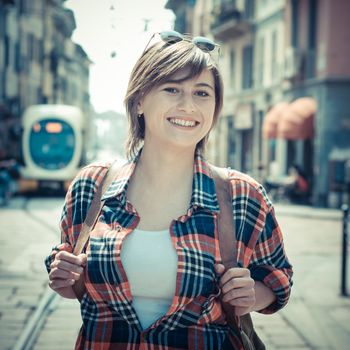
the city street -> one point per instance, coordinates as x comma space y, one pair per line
317, 317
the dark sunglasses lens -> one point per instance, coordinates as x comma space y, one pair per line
171, 37
204, 44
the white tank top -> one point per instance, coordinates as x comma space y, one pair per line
150, 262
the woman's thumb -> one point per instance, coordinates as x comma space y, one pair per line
83, 259
219, 269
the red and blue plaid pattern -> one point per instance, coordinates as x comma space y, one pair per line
195, 319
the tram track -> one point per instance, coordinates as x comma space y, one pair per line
34, 326
48, 300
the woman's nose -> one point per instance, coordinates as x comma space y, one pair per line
186, 104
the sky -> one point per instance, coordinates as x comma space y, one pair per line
113, 34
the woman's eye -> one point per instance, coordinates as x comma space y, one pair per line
171, 90
202, 93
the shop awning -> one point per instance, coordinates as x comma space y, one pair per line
297, 121
272, 119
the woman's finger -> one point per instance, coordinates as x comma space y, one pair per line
60, 283
234, 283
71, 258
242, 302
233, 273
62, 274
238, 293
67, 266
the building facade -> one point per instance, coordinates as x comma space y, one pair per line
286, 86
39, 63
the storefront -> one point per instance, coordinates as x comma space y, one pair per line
288, 129
243, 124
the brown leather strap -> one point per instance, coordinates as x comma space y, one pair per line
227, 234
90, 221
95, 208
243, 325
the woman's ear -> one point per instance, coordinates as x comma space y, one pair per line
139, 108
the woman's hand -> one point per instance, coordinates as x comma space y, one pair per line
237, 288
65, 270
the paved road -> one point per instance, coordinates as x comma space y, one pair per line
24, 240
317, 313
316, 317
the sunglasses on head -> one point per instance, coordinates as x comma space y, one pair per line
172, 37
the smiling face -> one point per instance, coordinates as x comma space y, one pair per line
180, 111
181, 64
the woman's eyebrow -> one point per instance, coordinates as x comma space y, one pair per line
178, 81
205, 85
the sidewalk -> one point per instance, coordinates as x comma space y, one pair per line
316, 311
22, 281
306, 211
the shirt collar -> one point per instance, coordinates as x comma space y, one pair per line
203, 186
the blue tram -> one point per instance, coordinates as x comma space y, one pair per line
52, 144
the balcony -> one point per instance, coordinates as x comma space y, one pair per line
64, 20
230, 21
293, 62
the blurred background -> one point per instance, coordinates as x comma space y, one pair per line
64, 68
286, 72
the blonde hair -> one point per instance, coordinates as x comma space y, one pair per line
154, 67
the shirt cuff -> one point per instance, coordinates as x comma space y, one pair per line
278, 280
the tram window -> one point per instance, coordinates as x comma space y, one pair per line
52, 144
54, 128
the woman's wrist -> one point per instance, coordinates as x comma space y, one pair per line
264, 296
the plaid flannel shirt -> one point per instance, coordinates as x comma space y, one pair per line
195, 319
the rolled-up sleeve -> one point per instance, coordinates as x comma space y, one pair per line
77, 202
270, 265
260, 239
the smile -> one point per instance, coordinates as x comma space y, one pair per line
182, 122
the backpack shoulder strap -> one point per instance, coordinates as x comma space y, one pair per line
95, 208
226, 229
243, 325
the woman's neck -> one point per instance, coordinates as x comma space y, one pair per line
166, 168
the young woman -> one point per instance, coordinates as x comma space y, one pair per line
152, 266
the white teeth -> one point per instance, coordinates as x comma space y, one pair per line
182, 122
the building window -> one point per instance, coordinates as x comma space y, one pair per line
231, 144
7, 50
74, 92
232, 69
312, 37
25, 6
35, 49
249, 9
272, 150
312, 23
247, 151
40, 50
294, 31
260, 125
247, 67
260, 61
86, 98
30, 47
274, 68
18, 58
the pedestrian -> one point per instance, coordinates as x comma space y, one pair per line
152, 267
296, 185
